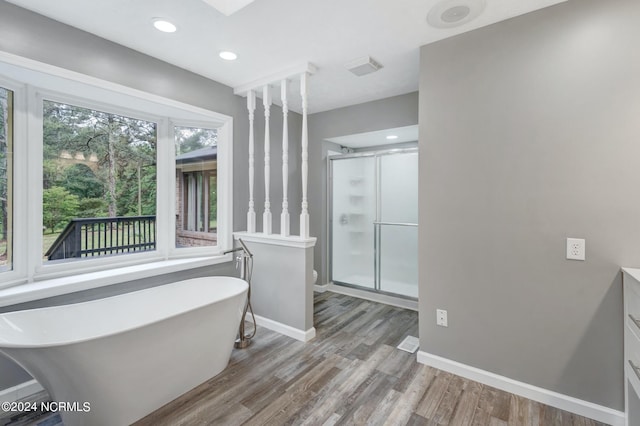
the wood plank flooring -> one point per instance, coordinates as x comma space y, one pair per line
350, 374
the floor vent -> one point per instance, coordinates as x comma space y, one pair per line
409, 344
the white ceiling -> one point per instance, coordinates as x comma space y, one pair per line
273, 35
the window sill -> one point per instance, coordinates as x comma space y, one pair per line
58, 286
210, 236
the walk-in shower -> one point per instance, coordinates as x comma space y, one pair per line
374, 221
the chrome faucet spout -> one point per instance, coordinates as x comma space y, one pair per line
233, 250
243, 248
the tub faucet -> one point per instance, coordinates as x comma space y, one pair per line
245, 262
243, 247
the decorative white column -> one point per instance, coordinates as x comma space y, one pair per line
251, 214
284, 217
304, 215
266, 217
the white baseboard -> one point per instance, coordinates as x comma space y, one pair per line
20, 391
564, 402
301, 335
321, 288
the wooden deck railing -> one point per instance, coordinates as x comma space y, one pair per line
104, 236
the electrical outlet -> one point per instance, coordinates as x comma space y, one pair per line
575, 248
441, 317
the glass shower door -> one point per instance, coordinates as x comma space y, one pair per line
397, 227
353, 213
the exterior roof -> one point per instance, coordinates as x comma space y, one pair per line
206, 153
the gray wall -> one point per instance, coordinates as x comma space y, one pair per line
529, 135
33, 36
282, 288
397, 111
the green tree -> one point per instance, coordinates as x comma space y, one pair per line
80, 180
92, 207
58, 206
125, 149
189, 139
136, 193
52, 173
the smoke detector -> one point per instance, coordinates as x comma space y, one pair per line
363, 66
453, 13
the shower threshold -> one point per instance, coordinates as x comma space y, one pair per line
390, 287
373, 295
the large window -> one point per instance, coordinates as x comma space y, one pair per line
99, 183
6, 179
91, 182
196, 186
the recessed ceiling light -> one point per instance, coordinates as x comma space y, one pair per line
453, 13
391, 137
228, 56
164, 25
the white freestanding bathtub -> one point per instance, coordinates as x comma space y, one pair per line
130, 354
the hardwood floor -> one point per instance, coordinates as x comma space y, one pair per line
350, 374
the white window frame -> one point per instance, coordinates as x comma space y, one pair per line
37, 98
223, 169
19, 224
33, 82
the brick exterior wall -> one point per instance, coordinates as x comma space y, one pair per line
189, 238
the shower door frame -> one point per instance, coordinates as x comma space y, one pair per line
377, 224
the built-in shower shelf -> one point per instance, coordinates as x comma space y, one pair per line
365, 191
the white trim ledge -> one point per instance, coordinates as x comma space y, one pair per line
634, 272
295, 71
276, 239
20, 391
294, 333
70, 284
564, 402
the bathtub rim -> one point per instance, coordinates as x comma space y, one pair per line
60, 343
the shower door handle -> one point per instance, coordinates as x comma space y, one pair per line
377, 254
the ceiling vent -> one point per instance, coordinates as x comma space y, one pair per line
363, 66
